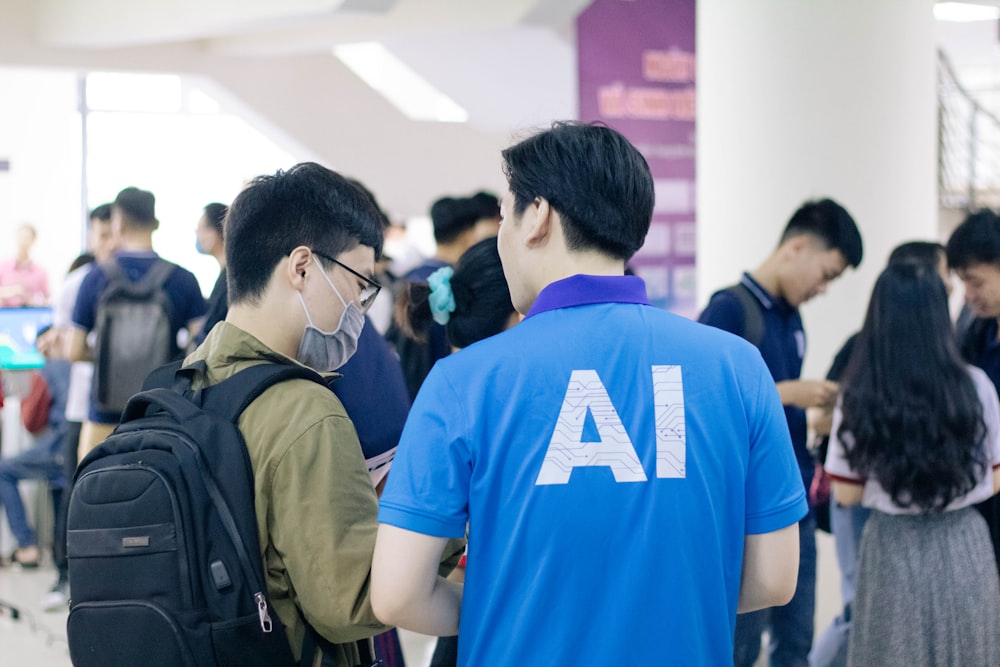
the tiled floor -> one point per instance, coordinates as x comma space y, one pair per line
38, 638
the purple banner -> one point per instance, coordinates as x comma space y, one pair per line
637, 75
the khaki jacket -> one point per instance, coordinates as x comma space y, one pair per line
316, 508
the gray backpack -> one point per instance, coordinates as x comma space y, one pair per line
133, 331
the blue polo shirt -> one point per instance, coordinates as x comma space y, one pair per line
609, 458
182, 287
782, 347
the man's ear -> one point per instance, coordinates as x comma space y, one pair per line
539, 217
794, 245
299, 263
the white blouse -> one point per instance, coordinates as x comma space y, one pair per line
875, 497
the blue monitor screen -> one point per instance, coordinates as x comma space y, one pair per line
18, 330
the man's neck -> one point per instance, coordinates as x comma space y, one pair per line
265, 326
136, 241
449, 253
766, 275
579, 263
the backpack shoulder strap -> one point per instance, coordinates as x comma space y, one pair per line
112, 271
154, 278
158, 274
753, 318
231, 397
164, 376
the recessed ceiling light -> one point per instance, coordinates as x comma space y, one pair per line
399, 83
964, 11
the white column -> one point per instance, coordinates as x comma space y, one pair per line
804, 99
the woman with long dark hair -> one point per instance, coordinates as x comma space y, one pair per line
916, 438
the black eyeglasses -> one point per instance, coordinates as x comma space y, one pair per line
368, 292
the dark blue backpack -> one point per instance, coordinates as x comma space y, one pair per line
162, 534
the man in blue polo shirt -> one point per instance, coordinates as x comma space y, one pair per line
133, 221
625, 473
819, 242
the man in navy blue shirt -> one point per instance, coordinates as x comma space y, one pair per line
133, 221
819, 242
974, 254
625, 474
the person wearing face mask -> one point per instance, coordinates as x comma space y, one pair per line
300, 248
208, 240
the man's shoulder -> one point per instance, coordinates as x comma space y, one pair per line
724, 305
543, 333
181, 275
91, 282
289, 408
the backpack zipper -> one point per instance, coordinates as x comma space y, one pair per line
230, 525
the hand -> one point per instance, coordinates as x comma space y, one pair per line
808, 393
48, 343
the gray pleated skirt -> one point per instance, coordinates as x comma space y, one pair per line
928, 592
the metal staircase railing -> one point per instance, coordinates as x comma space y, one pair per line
968, 146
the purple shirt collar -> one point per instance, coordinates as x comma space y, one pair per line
582, 290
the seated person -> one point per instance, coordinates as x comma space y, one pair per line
43, 412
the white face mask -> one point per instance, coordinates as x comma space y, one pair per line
329, 350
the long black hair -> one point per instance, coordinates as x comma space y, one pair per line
482, 299
911, 416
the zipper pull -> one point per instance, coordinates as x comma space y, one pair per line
265, 618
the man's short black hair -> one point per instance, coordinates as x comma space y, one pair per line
831, 224
139, 206
308, 205
453, 215
593, 177
101, 212
975, 241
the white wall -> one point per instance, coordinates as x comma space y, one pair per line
319, 106
798, 100
40, 136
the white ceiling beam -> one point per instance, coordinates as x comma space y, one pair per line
405, 18
119, 23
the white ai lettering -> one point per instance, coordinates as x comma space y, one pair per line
614, 450
671, 441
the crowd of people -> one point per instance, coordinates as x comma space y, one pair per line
524, 457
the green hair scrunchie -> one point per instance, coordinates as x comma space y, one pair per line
442, 299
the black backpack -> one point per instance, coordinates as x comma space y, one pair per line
134, 333
162, 532
753, 319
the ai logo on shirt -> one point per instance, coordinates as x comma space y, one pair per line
586, 393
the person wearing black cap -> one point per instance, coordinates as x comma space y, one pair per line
133, 221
